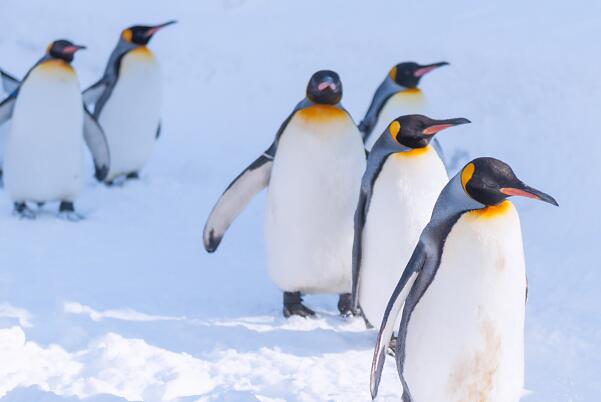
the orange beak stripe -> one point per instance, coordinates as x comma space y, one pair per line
518, 192
436, 128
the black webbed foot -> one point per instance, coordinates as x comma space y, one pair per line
345, 305
293, 305
23, 211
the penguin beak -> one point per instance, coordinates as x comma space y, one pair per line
72, 49
423, 70
152, 30
328, 83
439, 125
523, 190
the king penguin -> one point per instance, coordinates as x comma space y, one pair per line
462, 295
44, 148
127, 101
397, 95
403, 179
313, 170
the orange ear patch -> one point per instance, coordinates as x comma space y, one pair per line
321, 113
392, 73
394, 129
126, 35
466, 174
492, 211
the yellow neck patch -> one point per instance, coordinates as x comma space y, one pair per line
413, 153
321, 113
56, 65
410, 91
492, 211
466, 174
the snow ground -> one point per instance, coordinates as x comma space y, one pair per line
127, 306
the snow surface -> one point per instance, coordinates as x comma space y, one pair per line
126, 305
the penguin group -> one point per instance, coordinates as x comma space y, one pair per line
368, 212
118, 118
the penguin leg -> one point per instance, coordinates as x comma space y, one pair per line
66, 211
345, 305
132, 176
293, 305
23, 211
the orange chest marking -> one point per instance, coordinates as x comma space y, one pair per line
56, 65
321, 114
491, 212
413, 153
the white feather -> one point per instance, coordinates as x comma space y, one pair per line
465, 338
44, 150
405, 102
131, 115
403, 198
313, 194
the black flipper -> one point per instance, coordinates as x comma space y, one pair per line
386, 89
233, 200
9, 83
91, 94
375, 161
240, 191
158, 134
97, 143
6, 108
395, 304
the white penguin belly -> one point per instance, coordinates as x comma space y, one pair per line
401, 205
409, 101
44, 151
313, 193
465, 338
131, 115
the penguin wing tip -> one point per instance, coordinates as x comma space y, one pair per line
211, 242
101, 173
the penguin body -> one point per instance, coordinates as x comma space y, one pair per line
132, 114
313, 170
473, 311
404, 102
462, 295
311, 200
411, 181
127, 101
397, 95
44, 154
403, 179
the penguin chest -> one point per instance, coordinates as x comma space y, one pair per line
44, 150
131, 115
313, 192
408, 101
465, 338
401, 205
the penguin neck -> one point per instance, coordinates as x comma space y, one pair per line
320, 113
413, 152
54, 65
491, 211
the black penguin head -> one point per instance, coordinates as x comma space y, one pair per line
490, 181
409, 74
325, 87
141, 34
416, 131
63, 49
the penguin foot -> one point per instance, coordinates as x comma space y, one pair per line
132, 176
345, 305
66, 211
23, 211
293, 305
391, 350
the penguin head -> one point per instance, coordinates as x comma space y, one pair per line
325, 88
63, 49
416, 131
141, 34
409, 74
490, 181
